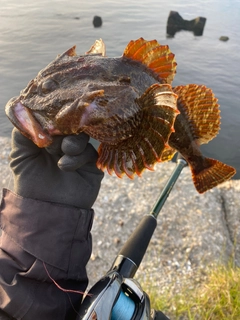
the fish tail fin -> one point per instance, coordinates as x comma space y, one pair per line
213, 173
154, 56
145, 145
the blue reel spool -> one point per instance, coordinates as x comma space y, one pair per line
124, 308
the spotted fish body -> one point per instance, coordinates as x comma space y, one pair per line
126, 103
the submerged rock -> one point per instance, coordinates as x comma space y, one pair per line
176, 23
97, 21
223, 38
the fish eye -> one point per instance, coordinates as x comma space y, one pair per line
49, 85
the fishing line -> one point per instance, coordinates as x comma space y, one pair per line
124, 308
67, 291
58, 286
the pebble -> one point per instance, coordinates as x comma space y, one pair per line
224, 38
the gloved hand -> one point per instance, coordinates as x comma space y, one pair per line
64, 173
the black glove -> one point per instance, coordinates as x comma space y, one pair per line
64, 173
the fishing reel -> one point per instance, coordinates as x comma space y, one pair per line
117, 296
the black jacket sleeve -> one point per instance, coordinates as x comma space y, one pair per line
44, 247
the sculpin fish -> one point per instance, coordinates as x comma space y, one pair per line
128, 104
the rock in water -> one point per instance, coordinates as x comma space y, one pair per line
97, 21
176, 23
223, 38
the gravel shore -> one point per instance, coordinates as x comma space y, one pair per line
194, 231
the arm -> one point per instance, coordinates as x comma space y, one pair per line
46, 222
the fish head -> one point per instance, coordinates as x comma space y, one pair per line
57, 86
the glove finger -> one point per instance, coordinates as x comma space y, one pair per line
71, 163
22, 147
55, 146
75, 144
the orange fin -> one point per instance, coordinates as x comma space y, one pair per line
156, 57
69, 53
168, 154
199, 105
144, 148
211, 176
97, 48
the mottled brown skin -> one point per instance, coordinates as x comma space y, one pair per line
182, 140
126, 103
67, 84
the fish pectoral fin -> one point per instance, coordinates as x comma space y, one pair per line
23, 119
213, 173
199, 105
129, 157
98, 48
145, 146
168, 154
161, 95
157, 57
160, 102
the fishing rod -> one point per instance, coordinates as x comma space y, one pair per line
117, 296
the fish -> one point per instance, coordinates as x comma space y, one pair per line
128, 104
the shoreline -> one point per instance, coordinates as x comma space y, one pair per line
194, 231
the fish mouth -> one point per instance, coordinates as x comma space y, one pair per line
24, 120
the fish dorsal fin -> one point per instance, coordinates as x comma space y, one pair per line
156, 57
97, 48
69, 53
52, 67
199, 105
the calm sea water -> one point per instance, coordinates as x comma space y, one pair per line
32, 33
